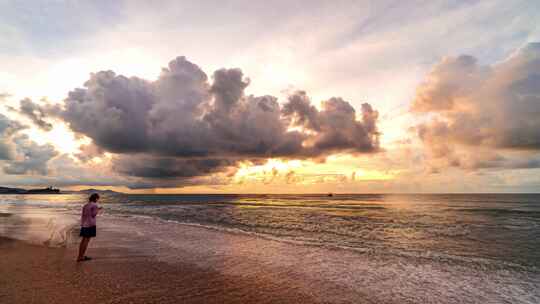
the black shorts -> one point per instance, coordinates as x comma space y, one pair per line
88, 231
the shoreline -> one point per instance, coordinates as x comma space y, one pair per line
147, 259
39, 274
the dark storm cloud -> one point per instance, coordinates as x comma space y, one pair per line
181, 125
228, 88
480, 111
168, 167
111, 110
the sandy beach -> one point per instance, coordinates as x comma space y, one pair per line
37, 274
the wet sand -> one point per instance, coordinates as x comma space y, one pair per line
38, 274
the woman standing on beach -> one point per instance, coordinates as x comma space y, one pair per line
88, 225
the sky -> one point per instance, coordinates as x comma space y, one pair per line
271, 97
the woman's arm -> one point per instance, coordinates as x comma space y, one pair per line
94, 210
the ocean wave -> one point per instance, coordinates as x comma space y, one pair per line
378, 252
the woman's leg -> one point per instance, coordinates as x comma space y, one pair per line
82, 248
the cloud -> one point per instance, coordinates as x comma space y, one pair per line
335, 127
35, 113
19, 154
30, 157
88, 152
184, 126
8, 128
482, 116
63, 171
4, 96
168, 167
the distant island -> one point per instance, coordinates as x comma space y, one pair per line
48, 190
90, 191
51, 190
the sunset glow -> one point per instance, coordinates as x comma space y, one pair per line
296, 102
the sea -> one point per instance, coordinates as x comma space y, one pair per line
372, 248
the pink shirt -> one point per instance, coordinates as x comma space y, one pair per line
89, 212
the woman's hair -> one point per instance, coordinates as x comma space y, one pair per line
93, 198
